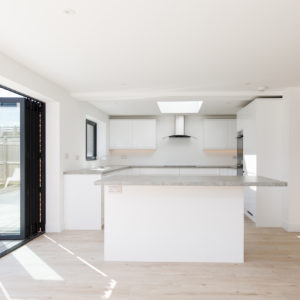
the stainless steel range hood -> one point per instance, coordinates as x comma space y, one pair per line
179, 128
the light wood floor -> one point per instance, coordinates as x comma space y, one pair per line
70, 266
8, 244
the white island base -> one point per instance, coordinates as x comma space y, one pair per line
148, 223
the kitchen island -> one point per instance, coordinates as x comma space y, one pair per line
176, 218
84, 205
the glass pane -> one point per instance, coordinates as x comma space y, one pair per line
9, 168
90, 140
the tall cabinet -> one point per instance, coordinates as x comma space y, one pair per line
261, 123
220, 134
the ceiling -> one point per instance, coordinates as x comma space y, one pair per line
211, 106
123, 55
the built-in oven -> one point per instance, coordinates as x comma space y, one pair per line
240, 153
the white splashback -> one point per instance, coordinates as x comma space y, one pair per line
175, 151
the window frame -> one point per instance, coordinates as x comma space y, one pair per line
94, 125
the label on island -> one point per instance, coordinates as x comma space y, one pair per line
115, 189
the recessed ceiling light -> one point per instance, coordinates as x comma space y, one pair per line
262, 88
69, 12
179, 107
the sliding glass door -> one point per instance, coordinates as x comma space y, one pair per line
12, 215
22, 168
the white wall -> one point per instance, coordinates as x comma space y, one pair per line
73, 133
292, 116
65, 132
176, 151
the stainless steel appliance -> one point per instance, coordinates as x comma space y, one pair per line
240, 153
179, 128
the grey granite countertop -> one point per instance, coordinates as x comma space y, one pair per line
95, 171
190, 180
183, 166
112, 168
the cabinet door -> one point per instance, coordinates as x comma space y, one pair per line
82, 202
120, 134
227, 172
219, 134
215, 134
123, 172
144, 134
199, 171
232, 172
159, 171
223, 172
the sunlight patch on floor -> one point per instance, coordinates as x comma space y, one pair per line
34, 265
91, 266
4, 291
112, 283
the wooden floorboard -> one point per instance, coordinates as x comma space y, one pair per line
70, 265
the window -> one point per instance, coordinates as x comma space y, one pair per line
91, 140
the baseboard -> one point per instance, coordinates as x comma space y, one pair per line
291, 227
53, 228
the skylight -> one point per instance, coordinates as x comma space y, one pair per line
179, 107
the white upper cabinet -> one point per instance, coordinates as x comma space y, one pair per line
132, 134
219, 134
120, 134
144, 133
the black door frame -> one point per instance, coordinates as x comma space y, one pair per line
34, 149
20, 236
28, 230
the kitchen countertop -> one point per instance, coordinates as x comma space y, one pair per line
190, 180
94, 171
183, 166
113, 168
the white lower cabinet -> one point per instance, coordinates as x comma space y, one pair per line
128, 171
159, 171
176, 171
227, 172
200, 171
82, 202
